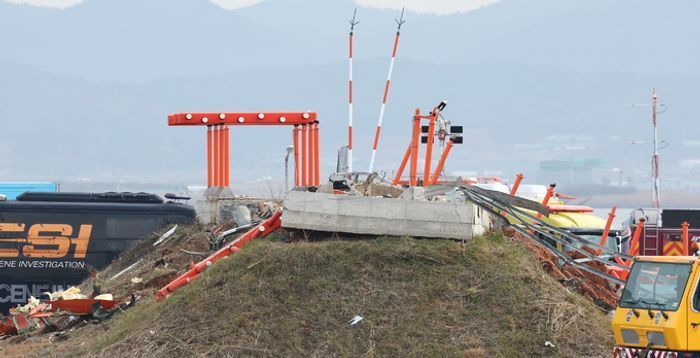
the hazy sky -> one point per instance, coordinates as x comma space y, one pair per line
433, 6
532, 82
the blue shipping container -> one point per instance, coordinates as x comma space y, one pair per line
12, 190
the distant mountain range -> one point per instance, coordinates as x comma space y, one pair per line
137, 40
84, 92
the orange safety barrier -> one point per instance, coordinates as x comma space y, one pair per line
606, 231
261, 230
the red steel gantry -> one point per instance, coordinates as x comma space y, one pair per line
305, 140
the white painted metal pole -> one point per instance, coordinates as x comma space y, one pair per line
375, 144
350, 112
655, 157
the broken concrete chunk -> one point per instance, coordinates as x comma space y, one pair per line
383, 216
413, 193
105, 296
326, 188
383, 190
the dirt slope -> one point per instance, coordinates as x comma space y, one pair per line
418, 298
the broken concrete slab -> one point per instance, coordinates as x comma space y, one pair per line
379, 189
241, 210
384, 216
217, 192
240, 214
413, 193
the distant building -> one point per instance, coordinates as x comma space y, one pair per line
571, 172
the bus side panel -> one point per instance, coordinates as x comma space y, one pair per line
58, 249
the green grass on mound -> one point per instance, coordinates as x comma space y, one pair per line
422, 298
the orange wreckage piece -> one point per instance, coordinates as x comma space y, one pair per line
261, 230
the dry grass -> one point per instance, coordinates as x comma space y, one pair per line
488, 298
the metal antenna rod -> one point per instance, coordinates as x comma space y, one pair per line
399, 22
655, 162
655, 156
350, 113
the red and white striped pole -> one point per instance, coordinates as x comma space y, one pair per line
386, 93
350, 113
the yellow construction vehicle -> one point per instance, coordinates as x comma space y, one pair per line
576, 219
579, 220
659, 311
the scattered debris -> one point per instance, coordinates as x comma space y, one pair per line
165, 236
221, 237
592, 286
69, 294
35, 314
355, 320
196, 253
125, 270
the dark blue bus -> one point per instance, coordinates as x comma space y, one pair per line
49, 241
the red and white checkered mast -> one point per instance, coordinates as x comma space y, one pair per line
350, 113
400, 22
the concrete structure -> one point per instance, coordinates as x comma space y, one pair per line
384, 216
241, 210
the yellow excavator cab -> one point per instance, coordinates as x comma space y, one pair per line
659, 311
